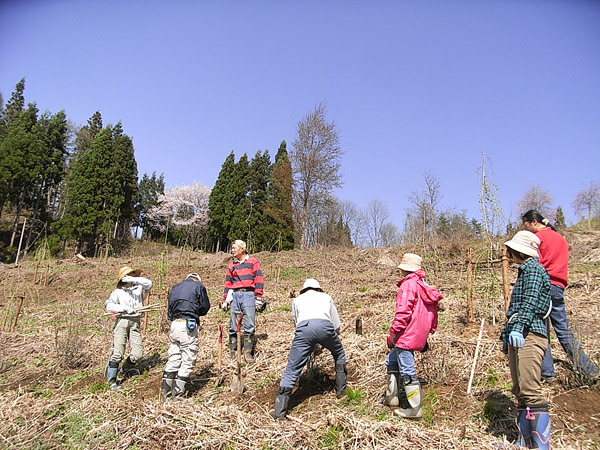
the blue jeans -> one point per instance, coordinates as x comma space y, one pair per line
403, 359
242, 301
308, 334
570, 344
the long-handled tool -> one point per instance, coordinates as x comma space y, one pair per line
237, 383
220, 377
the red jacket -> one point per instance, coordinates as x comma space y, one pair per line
416, 312
554, 255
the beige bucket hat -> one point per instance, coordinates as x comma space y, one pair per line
410, 262
525, 242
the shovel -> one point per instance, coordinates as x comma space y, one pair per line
237, 383
220, 377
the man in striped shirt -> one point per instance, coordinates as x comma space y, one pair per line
244, 283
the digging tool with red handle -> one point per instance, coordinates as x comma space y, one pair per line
220, 377
237, 383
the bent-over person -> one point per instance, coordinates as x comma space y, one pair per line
317, 322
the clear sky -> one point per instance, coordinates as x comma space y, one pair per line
413, 86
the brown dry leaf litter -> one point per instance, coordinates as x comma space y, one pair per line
54, 394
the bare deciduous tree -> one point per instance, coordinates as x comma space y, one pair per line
587, 202
537, 198
375, 217
316, 161
420, 222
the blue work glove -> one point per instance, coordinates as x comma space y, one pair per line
516, 339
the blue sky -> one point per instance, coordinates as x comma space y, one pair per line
413, 86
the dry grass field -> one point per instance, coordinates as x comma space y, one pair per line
53, 394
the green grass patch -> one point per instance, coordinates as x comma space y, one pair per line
354, 397
284, 308
430, 401
290, 273
331, 437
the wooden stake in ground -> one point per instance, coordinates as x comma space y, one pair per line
469, 285
476, 355
19, 306
145, 302
505, 279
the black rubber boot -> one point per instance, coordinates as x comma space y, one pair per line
233, 347
282, 400
166, 387
340, 380
248, 348
128, 368
179, 386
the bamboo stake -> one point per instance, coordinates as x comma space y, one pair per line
19, 306
278, 273
180, 254
505, 279
469, 286
476, 355
20, 242
46, 275
37, 265
145, 302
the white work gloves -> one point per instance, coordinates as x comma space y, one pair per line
226, 303
259, 304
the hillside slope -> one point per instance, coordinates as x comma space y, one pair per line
54, 394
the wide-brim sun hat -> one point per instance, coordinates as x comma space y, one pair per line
410, 262
126, 270
311, 283
525, 242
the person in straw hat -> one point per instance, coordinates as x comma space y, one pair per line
415, 318
525, 336
317, 322
123, 301
188, 301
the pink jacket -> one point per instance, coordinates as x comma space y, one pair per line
416, 312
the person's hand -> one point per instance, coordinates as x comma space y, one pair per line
259, 304
516, 339
390, 340
224, 305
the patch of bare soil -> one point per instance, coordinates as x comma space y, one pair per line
54, 394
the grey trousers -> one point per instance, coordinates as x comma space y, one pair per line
308, 334
123, 331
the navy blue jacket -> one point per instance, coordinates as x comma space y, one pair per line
188, 300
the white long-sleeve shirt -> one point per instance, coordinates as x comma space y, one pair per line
314, 305
126, 299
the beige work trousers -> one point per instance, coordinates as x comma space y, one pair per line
183, 349
127, 330
526, 369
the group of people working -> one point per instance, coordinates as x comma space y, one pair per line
536, 299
